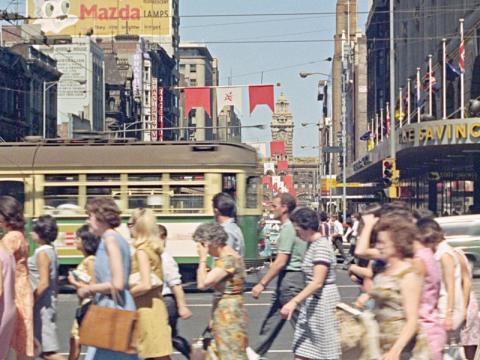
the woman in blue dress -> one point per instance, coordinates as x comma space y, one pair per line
112, 267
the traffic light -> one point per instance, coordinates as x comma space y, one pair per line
388, 172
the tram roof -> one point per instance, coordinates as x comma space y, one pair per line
117, 154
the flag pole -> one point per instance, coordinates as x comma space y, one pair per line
462, 72
444, 80
418, 94
430, 92
376, 129
400, 107
409, 105
381, 124
388, 120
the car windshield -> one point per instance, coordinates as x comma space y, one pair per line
462, 228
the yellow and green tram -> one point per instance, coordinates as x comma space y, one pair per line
176, 179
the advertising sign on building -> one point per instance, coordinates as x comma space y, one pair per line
160, 114
101, 17
137, 82
72, 62
154, 110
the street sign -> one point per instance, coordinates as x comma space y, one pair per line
332, 149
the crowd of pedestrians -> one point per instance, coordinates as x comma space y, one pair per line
417, 288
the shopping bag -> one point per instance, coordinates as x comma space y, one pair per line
110, 328
202, 346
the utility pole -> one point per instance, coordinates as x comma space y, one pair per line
345, 78
392, 83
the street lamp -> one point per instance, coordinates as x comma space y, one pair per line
47, 85
304, 74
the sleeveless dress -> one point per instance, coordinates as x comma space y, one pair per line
229, 316
8, 309
391, 318
155, 336
470, 332
22, 340
428, 313
458, 307
45, 308
102, 275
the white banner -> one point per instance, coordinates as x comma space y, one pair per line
269, 168
227, 96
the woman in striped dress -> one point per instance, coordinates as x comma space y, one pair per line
316, 333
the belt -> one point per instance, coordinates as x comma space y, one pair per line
168, 295
292, 271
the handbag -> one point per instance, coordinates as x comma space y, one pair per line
203, 346
81, 311
134, 279
109, 328
453, 351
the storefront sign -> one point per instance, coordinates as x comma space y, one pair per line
154, 109
160, 113
442, 132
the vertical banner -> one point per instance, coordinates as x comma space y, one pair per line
154, 110
160, 114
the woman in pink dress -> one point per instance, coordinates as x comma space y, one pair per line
12, 222
429, 318
7, 300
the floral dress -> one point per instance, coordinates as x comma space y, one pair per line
22, 340
229, 317
391, 318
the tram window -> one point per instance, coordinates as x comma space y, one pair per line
252, 191
103, 177
14, 189
229, 184
145, 197
144, 177
103, 191
186, 198
187, 177
61, 177
56, 197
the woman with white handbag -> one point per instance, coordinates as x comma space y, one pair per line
146, 282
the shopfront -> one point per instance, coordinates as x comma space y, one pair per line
439, 163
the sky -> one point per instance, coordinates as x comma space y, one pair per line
284, 51
279, 62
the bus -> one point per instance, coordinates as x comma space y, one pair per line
175, 179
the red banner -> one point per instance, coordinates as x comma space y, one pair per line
197, 97
261, 94
160, 114
282, 165
277, 147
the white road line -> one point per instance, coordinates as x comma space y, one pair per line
208, 305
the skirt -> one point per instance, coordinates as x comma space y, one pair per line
154, 335
317, 334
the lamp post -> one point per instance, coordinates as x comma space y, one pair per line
320, 124
46, 86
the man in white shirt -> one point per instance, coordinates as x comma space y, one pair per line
174, 297
336, 235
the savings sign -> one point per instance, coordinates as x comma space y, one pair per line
101, 17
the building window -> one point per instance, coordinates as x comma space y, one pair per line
193, 82
193, 68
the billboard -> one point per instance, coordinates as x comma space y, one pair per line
101, 17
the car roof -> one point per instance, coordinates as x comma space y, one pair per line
458, 219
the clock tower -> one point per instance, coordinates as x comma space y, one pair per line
282, 125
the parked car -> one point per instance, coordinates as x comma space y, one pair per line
464, 232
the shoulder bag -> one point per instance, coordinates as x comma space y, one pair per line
109, 328
202, 347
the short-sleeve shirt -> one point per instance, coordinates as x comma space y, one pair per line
320, 252
171, 273
289, 243
235, 236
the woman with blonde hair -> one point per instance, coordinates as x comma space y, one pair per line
155, 340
